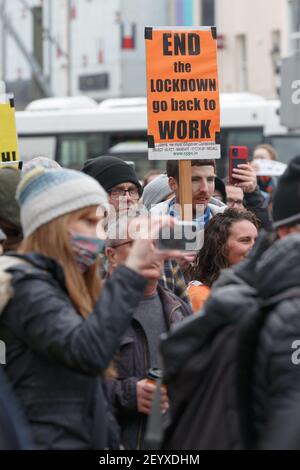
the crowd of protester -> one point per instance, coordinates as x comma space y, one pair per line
85, 295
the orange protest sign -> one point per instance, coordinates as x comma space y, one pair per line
183, 93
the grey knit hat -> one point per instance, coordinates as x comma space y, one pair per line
44, 162
44, 195
156, 191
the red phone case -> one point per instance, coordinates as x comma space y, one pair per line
237, 156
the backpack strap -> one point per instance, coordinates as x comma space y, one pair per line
288, 294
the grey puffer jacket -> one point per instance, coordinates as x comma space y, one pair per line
55, 358
273, 269
277, 369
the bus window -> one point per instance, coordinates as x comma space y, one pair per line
36, 146
287, 146
115, 138
141, 163
75, 149
136, 151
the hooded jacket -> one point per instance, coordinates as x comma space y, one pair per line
272, 269
277, 371
55, 358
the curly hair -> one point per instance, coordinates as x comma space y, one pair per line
213, 256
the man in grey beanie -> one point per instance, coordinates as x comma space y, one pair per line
158, 190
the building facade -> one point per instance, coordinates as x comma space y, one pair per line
96, 47
71, 47
254, 36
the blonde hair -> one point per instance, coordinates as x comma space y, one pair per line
268, 148
52, 240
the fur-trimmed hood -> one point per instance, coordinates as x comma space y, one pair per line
6, 290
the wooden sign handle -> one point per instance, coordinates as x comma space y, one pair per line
185, 189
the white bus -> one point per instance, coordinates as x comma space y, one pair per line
71, 130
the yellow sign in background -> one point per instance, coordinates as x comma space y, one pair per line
8, 134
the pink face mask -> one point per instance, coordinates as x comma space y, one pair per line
86, 250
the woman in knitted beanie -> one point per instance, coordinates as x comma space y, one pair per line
60, 327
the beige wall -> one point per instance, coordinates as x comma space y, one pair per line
257, 20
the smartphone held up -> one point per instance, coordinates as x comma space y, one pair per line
237, 156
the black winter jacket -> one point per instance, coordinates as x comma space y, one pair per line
55, 358
132, 363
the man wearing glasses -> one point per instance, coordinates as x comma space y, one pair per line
131, 394
235, 198
118, 179
249, 198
